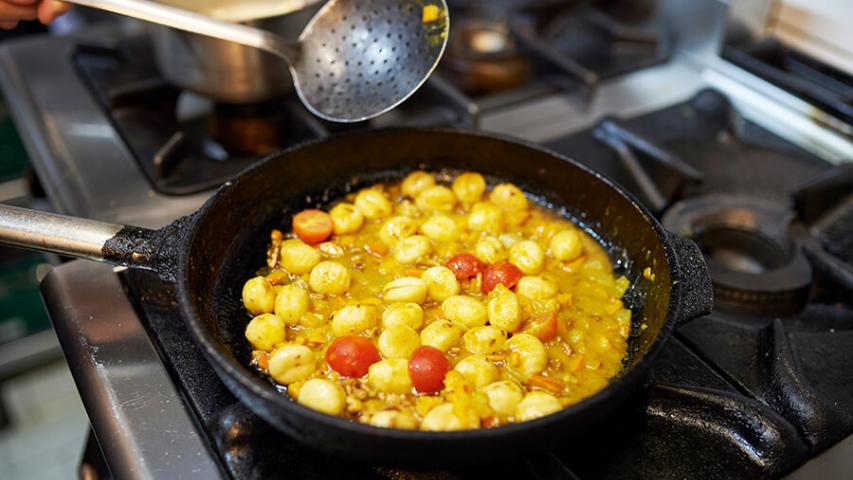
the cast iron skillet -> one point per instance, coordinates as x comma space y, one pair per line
211, 253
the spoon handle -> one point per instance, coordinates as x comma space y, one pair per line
193, 22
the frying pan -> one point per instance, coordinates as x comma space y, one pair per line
212, 252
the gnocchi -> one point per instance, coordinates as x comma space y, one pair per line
406, 289
290, 363
441, 334
528, 256
298, 257
390, 376
322, 395
469, 187
258, 296
412, 249
346, 218
464, 310
373, 204
416, 182
329, 277
441, 283
409, 314
397, 228
485, 217
266, 331
437, 198
437, 304
291, 303
440, 228
353, 319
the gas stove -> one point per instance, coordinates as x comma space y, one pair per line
718, 151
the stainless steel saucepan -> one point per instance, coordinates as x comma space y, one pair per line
226, 71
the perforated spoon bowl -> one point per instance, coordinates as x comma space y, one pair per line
353, 61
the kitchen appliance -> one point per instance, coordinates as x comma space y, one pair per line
742, 393
351, 62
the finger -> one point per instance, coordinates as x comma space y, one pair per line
22, 3
17, 12
48, 10
8, 24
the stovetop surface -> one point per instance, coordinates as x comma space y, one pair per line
736, 394
742, 393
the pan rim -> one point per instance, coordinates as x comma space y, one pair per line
253, 383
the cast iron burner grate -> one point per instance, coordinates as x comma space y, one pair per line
734, 395
199, 150
706, 135
607, 45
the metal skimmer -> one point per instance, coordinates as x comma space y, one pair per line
353, 61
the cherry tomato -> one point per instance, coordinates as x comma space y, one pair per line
465, 265
504, 273
351, 356
313, 226
543, 326
427, 369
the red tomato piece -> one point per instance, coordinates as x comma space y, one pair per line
351, 356
543, 326
465, 265
504, 273
427, 369
313, 226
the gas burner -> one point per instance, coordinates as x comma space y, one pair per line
755, 265
483, 57
183, 142
249, 129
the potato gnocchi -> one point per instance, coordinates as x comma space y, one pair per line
438, 304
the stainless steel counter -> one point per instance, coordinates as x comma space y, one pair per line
132, 403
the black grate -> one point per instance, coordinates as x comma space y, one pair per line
179, 156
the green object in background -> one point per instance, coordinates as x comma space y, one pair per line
21, 310
13, 156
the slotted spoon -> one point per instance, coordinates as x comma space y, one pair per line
353, 61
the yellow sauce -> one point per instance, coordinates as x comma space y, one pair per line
592, 324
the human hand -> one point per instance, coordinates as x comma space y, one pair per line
13, 11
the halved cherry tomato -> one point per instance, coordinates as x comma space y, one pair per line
465, 265
313, 226
504, 273
543, 326
351, 356
427, 369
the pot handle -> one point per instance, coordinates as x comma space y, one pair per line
131, 247
693, 285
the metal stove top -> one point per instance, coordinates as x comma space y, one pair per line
123, 351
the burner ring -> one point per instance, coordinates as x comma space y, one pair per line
755, 264
484, 57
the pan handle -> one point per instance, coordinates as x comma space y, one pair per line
122, 245
694, 288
